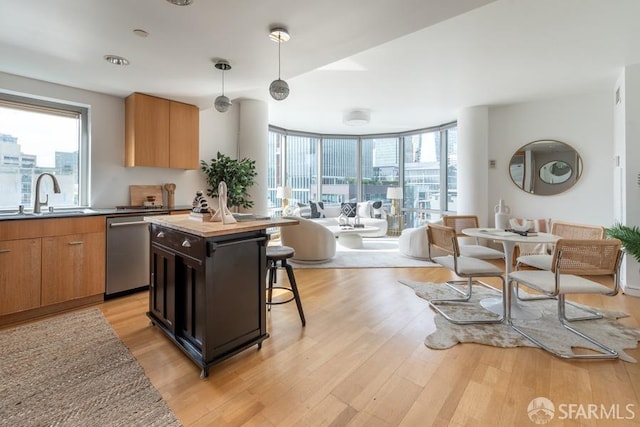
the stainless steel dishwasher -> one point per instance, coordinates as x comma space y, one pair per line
127, 254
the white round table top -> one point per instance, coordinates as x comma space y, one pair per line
498, 234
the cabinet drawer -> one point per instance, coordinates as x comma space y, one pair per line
179, 242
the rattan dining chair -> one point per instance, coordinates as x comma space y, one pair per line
459, 223
444, 239
573, 262
566, 230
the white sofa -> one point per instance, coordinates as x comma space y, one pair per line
332, 212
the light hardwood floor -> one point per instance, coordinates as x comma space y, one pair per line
361, 361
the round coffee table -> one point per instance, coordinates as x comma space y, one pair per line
350, 237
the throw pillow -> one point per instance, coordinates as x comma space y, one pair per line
377, 209
364, 209
303, 211
317, 209
349, 209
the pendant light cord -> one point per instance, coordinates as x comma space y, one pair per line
279, 43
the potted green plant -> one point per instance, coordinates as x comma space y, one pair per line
239, 175
629, 236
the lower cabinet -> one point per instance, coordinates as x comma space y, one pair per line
208, 294
19, 275
75, 267
162, 291
49, 265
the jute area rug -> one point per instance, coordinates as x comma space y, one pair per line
377, 252
607, 330
73, 370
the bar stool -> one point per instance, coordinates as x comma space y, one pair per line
275, 255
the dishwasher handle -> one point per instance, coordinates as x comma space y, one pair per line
127, 224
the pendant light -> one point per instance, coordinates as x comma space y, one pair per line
222, 103
279, 89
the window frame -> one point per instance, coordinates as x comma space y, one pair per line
444, 158
61, 108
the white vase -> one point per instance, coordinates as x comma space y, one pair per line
503, 214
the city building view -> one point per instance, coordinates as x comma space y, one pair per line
28, 149
338, 169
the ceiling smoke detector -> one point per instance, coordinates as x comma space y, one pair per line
140, 32
181, 2
357, 118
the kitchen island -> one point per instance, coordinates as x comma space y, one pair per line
208, 284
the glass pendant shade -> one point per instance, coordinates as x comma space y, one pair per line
279, 89
222, 103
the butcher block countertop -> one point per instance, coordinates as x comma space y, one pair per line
211, 229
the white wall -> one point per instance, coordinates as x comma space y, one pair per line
473, 142
583, 121
627, 149
110, 180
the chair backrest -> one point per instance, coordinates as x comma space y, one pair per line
581, 257
460, 222
442, 238
312, 242
569, 230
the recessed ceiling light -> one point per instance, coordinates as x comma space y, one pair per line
139, 32
279, 35
117, 60
181, 2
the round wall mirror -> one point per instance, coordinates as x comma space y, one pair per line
545, 167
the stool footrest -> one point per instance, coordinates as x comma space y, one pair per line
282, 302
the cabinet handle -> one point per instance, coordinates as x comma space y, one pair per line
3, 251
160, 234
186, 244
79, 242
127, 224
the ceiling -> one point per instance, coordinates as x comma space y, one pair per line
410, 63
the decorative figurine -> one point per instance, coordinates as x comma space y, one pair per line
200, 204
223, 214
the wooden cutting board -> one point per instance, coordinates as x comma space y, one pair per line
138, 194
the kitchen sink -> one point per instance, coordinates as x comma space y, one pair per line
54, 213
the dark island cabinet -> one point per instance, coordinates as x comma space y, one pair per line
207, 294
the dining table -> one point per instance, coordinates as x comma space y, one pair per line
509, 239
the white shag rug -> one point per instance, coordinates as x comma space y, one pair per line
380, 252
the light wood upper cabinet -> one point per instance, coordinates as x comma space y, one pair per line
161, 133
184, 136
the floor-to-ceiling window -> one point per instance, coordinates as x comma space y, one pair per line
339, 170
380, 167
336, 169
430, 174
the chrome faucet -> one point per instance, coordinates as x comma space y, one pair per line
56, 188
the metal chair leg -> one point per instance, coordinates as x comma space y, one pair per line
433, 303
605, 353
